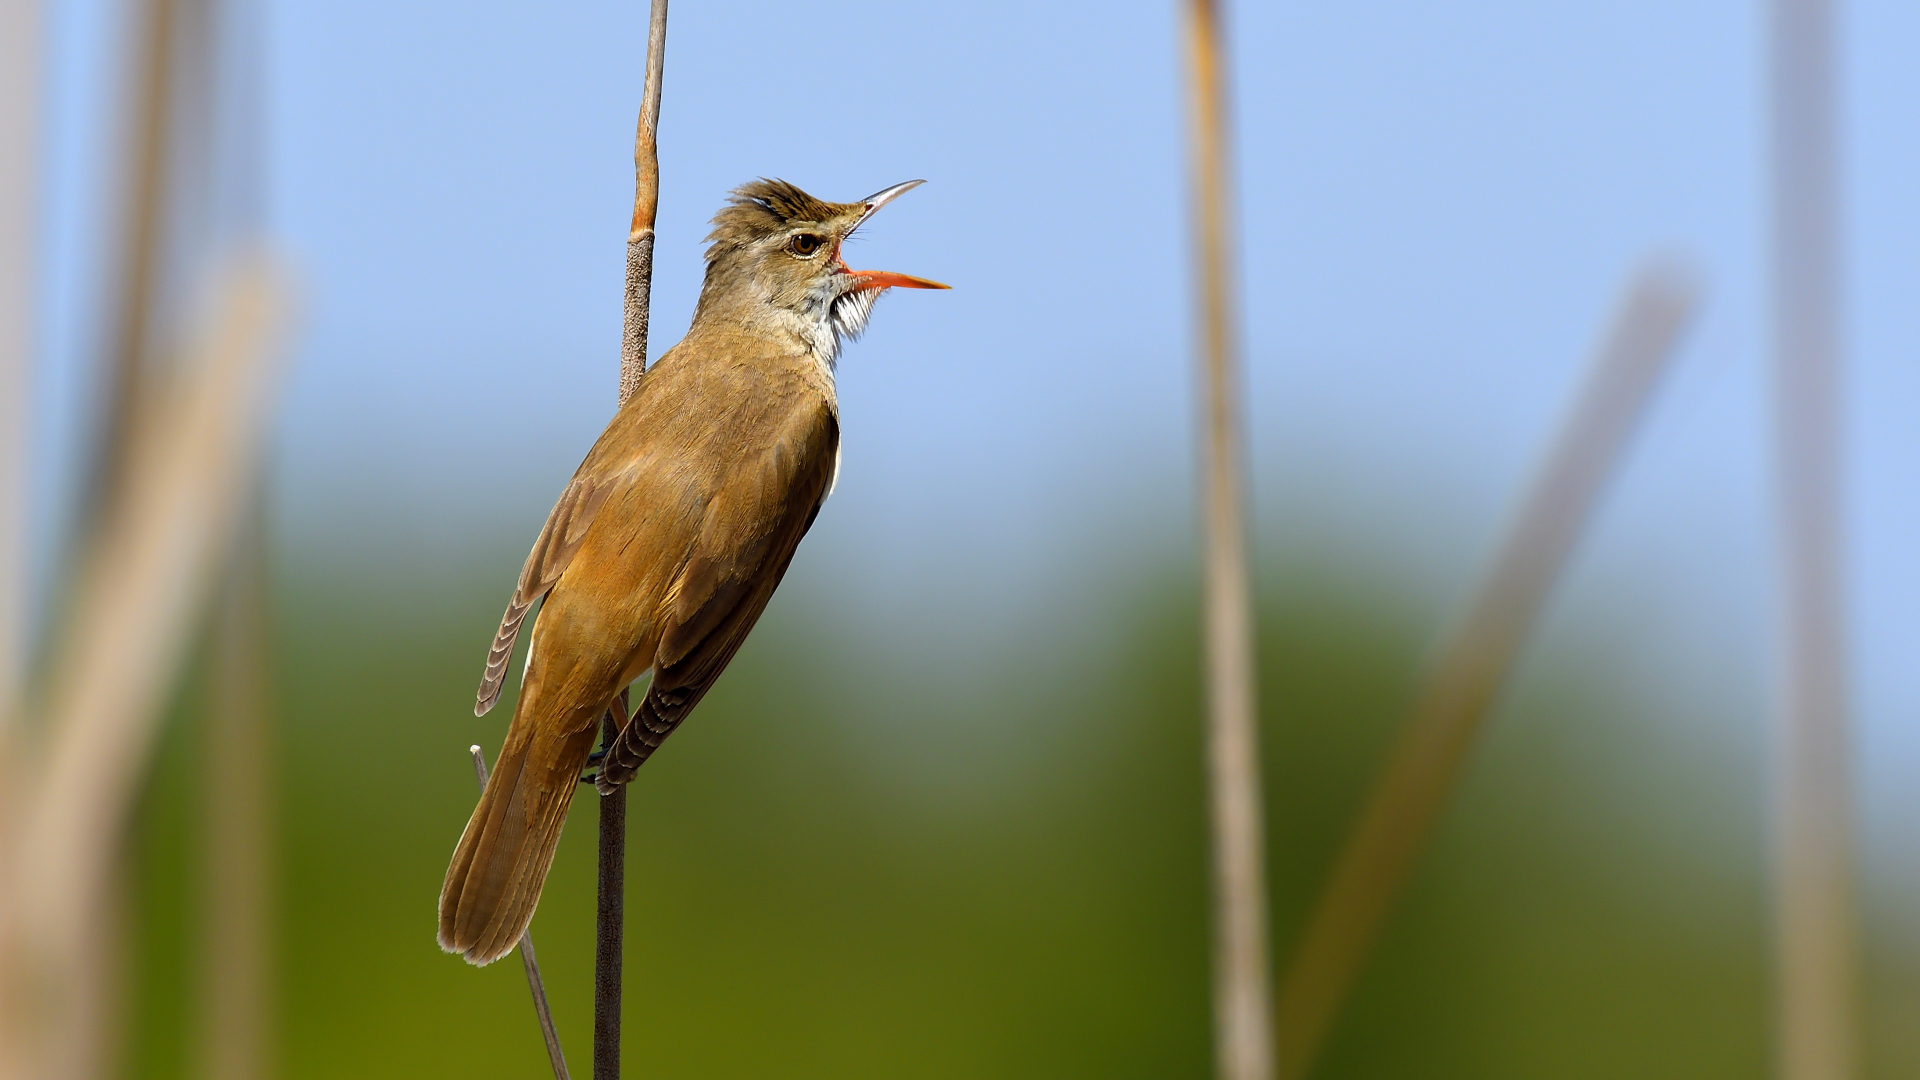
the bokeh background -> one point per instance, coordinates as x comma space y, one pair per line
943, 817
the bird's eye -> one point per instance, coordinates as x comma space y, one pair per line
805, 245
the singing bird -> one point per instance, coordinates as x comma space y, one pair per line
672, 535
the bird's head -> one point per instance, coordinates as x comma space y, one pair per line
774, 263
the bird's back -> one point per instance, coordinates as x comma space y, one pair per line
710, 464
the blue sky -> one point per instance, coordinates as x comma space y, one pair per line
1440, 204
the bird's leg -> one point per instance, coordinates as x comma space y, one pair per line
610, 728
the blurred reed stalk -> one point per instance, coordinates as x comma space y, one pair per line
237, 1000
86, 1002
236, 931
1243, 1041
162, 541
610, 908
160, 25
537, 985
1425, 763
19, 179
19, 182
178, 458
1813, 803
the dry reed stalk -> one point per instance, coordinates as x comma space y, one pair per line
1425, 763
1817, 954
535, 984
646, 206
160, 31
19, 160
236, 988
609, 921
1243, 1040
153, 107
194, 455
610, 903
223, 42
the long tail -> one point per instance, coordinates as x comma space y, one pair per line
501, 864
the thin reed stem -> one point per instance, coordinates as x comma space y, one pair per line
646, 205
1243, 1039
19, 181
20, 70
236, 984
538, 986
610, 917
155, 101
194, 458
1425, 763
1814, 913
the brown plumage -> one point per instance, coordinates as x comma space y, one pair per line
673, 534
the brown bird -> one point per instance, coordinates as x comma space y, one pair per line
671, 537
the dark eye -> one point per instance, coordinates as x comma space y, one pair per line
805, 244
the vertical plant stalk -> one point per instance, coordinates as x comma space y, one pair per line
194, 456
19, 160
1813, 803
153, 106
20, 41
646, 205
237, 983
610, 908
610, 916
1243, 1039
538, 986
222, 43
1425, 762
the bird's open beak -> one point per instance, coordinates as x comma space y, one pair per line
881, 198
887, 279
884, 279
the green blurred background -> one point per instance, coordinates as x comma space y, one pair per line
862, 862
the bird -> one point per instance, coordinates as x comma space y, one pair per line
670, 538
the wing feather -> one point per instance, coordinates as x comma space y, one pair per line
559, 539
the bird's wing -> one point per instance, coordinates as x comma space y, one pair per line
742, 552
559, 539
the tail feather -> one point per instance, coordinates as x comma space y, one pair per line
501, 863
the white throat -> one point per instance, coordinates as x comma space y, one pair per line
833, 318
850, 311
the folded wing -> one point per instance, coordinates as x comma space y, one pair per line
744, 548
